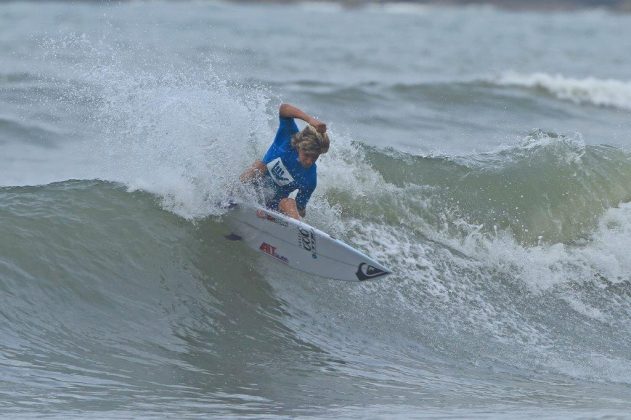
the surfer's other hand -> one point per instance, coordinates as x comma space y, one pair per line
318, 125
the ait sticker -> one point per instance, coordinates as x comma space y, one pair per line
271, 250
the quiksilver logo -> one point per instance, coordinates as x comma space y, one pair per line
365, 272
279, 173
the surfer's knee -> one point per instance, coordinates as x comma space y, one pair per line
288, 206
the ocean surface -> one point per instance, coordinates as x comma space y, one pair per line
483, 155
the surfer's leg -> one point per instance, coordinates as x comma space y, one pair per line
288, 207
255, 171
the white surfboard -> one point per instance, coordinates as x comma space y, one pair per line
299, 245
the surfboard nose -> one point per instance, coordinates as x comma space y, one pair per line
371, 270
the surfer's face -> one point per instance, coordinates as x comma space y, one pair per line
307, 158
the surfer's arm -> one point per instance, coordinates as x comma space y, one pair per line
256, 170
290, 111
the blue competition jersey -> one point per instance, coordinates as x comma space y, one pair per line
284, 170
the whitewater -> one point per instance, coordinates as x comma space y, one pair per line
481, 154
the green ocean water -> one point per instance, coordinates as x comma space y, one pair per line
482, 154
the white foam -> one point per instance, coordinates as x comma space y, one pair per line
604, 255
594, 366
590, 90
182, 133
186, 144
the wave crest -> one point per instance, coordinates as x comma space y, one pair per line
590, 90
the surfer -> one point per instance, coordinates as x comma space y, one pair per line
289, 163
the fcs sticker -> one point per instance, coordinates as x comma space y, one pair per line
307, 241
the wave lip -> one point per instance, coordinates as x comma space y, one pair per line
589, 90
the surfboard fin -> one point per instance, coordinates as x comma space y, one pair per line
233, 237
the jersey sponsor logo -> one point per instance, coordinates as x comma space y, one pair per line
271, 250
279, 172
307, 241
365, 272
266, 216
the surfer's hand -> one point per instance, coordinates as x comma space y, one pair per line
256, 170
318, 125
290, 111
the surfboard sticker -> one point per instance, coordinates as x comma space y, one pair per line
366, 272
262, 214
271, 250
307, 241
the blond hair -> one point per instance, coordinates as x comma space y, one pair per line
309, 140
